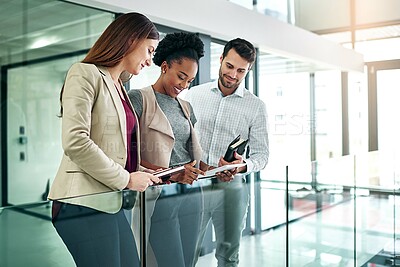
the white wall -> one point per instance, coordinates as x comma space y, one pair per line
317, 15
224, 20
373, 11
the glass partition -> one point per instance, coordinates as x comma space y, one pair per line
40, 40
377, 210
28, 237
325, 233
332, 222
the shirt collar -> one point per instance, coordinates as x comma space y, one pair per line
239, 91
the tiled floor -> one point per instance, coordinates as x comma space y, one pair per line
323, 239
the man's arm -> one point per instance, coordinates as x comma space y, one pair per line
258, 141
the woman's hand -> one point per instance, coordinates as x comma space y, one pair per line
189, 175
139, 181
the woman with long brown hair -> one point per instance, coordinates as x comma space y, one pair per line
100, 138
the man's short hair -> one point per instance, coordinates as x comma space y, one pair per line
244, 48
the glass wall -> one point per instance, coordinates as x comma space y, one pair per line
40, 41
33, 128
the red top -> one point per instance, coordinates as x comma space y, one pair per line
131, 159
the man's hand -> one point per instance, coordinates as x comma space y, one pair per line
227, 176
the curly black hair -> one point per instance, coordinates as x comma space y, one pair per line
178, 45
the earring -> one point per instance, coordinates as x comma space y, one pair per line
163, 71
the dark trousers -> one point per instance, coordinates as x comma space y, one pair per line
174, 229
95, 238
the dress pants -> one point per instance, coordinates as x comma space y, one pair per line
175, 226
225, 205
95, 238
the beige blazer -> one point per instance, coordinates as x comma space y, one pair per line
157, 137
94, 141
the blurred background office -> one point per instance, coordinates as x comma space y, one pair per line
328, 71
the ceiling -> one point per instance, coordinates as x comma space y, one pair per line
36, 29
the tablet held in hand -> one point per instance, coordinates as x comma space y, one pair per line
165, 174
213, 172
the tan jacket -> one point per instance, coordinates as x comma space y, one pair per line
94, 141
158, 139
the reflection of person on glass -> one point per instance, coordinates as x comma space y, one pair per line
224, 110
101, 143
169, 139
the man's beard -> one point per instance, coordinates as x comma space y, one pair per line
229, 85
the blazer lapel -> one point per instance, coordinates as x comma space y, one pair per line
158, 121
116, 99
195, 148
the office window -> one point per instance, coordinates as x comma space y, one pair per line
274, 8
379, 50
328, 114
388, 95
287, 98
358, 113
216, 52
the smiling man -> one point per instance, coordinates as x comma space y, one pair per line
225, 109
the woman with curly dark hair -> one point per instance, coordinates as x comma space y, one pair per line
168, 139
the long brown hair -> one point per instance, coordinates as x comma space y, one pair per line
117, 40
